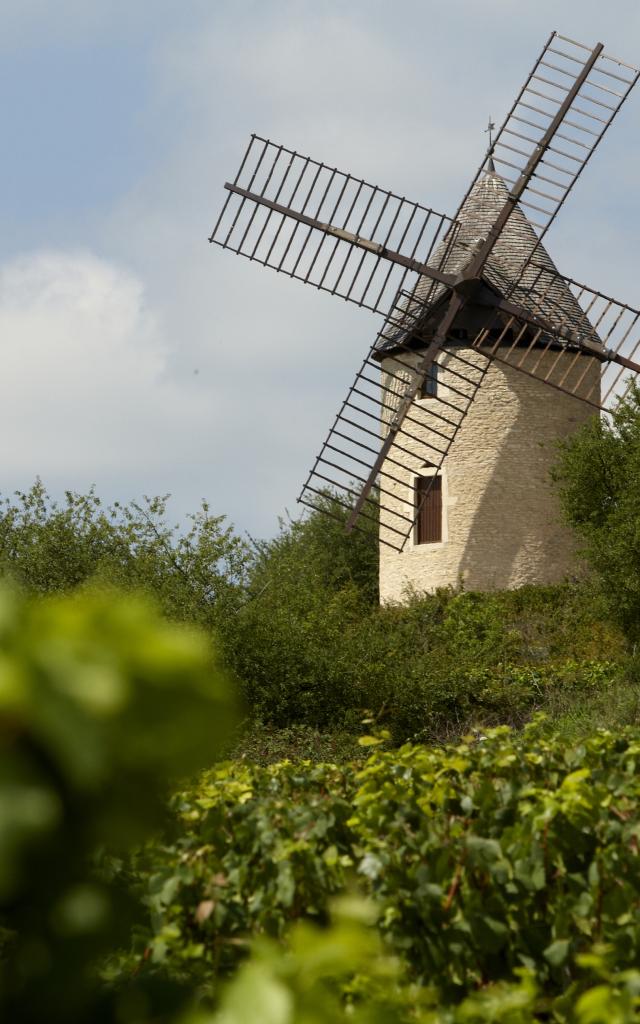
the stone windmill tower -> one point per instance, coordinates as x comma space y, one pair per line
487, 355
487, 515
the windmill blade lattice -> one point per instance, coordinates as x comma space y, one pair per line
352, 449
558, 119
327, 228
576, 74
571, 108
598, 328
460, 293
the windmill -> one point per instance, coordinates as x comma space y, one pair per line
485, 349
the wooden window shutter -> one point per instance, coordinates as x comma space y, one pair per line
429, 509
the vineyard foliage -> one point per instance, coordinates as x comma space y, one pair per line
342, 974
496, 878
507, 852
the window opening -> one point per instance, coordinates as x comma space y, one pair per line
428, 500
429, 386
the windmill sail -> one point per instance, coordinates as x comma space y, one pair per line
457, 294
429, 428
557, 121
579, 100
592, 323
327, 228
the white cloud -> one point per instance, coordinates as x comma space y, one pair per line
84, 390
96, 389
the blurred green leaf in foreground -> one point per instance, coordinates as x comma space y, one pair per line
102, 705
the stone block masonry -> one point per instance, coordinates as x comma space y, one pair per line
501, 519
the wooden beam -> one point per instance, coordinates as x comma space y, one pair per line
346, 236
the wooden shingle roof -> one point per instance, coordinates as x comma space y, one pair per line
538, 289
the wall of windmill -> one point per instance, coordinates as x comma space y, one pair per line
501, 521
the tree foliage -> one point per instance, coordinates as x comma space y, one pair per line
196, 574
317, 550
297, 620
598, 477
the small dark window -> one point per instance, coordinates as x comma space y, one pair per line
429, 386
428, 498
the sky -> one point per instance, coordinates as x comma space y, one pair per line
142, 360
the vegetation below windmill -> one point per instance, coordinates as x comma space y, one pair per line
503, 856
299, 625
498, 878
494, 876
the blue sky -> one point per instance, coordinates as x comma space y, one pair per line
141, 359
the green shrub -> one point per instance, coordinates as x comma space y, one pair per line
256, 849
316, 552
196, 574
262, 744
506, 852
598, 478
314, 648
342, 974
297, 618
102, 707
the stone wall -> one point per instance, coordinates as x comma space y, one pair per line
501, 525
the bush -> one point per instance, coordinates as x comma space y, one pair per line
598, 479
427, 670
262, 744
254, 850
197, 575
505, 852
299, 623
342, 974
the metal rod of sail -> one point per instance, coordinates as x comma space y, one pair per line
477, 263
346, 236
456, 303
592, 348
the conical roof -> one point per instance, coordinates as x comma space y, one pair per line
503, 269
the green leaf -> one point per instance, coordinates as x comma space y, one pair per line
256, 995
286, 886
595, 1007
557, 952
483, 851
574, 779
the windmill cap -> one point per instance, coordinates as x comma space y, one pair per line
510, 270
